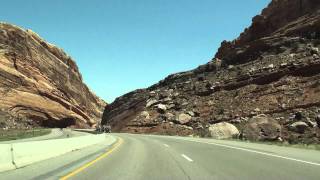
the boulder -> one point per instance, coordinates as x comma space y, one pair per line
298, 115
183, 118
145, 114
230, 67
271, 66
152, 93
298, 127
161, 108
314, 50
191, 113
318, 120
311, 123
223, 130
166, 100
187, 127
170, 106
151, 102
169, 116
262, 128
257, 110
164, 94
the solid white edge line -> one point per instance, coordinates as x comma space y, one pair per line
186, 157
257, 152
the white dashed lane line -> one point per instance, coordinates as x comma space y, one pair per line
257, 152
187, 158
166, 145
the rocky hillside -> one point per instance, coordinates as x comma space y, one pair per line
40, 85
265, 85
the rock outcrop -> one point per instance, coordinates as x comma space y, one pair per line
263, 83
40, 85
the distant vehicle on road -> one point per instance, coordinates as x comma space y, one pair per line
104, 129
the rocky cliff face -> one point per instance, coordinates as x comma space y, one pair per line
265, 85
40, 85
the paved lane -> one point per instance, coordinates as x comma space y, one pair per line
158, 157
166, 157
139, 158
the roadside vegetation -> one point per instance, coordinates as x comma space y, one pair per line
14, 134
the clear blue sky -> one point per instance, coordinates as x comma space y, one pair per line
122, 45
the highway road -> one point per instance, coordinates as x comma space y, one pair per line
168, 157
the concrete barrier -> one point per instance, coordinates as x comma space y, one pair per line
6, 158
20, 154
26, 153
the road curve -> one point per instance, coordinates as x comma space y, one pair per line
156, 157
165, 157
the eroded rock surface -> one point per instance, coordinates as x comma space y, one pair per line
273, 68
40, 85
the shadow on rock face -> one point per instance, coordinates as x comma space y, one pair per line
62, 123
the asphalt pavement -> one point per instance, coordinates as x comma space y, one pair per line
169, 157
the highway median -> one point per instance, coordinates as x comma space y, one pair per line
17, 155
